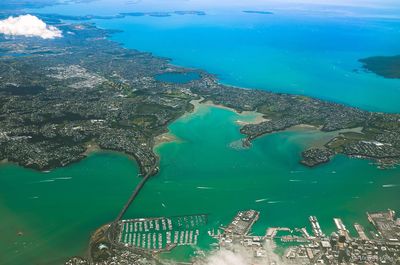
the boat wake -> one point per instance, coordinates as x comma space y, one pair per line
389, 185
261, 200
62, 178
274, 202
52, 180
46, 180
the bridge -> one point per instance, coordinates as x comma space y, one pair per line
136, 191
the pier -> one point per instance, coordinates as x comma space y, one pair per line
242, 223
316, 227
387, 226
338, 248
272, 231
360, 231
305, 233
342, 228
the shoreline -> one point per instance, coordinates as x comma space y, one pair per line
91, 147
168, 137
164, 138
91, 150
258, 117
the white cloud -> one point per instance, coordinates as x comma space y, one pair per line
28, 26
225, 257
240, 255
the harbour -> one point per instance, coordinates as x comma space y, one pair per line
195, 172
161, 234
173, 191
337, 248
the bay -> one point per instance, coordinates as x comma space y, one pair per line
47, 217
202, 172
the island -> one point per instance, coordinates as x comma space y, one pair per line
385, 66
164, 14
258, 12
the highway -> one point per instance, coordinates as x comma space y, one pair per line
136, 191
111, 231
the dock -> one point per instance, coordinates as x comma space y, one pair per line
386, 224
316, 228
242, 223
342, 228
361, 232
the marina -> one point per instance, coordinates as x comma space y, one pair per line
102, 182
161, 234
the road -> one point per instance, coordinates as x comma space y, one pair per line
136, 191
111, 231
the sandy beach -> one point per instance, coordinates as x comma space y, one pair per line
164, 138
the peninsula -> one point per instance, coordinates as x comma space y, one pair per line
385, 66
59, 96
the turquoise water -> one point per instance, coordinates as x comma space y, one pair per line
205, 170
179, 78
57, 211
312, 56
295, 51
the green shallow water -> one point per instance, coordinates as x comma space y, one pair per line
200, 173
57, 211
203, 174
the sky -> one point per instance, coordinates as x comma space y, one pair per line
230, 3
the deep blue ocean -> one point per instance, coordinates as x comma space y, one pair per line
310, 50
